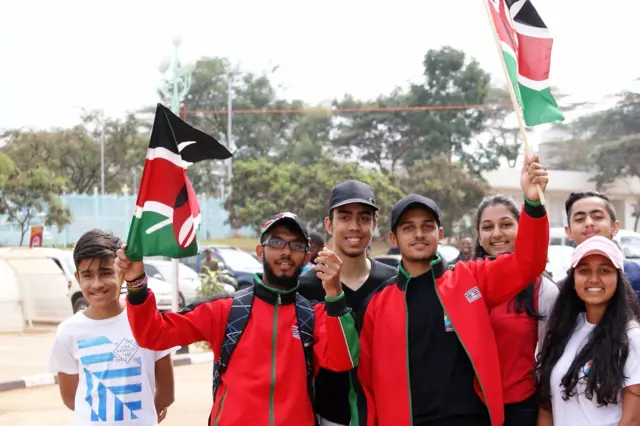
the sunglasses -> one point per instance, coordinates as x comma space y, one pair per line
279, 243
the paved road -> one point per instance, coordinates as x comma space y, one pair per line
39, 406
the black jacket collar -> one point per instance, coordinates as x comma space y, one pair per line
270, 294
437, 269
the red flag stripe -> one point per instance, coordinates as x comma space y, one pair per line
534, 57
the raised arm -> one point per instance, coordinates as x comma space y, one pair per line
502, 278
201, 321
336, 345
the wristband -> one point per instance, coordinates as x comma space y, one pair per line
137, 283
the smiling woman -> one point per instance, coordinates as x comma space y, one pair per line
589, 365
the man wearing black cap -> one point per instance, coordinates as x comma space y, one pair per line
427, 351
269, 338
351, 222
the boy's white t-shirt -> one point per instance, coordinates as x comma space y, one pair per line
578, 410
116, 377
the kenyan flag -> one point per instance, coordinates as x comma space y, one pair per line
167, 213
526, 47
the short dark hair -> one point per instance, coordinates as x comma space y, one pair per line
316, 238
576, 196
96, 244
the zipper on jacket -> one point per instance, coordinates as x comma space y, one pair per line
274, 335
406, 308
220, 406
465, 349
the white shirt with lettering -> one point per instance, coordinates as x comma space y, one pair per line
116, 384
578, 410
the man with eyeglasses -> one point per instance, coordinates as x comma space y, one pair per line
278, 339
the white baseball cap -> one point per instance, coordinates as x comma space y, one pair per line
598, 245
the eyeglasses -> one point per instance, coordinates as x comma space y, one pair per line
279, 243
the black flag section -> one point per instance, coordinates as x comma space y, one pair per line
175, 135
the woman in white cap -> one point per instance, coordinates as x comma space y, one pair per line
589, 366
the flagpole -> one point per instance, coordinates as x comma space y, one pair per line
512, 93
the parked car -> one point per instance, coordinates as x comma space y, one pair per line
161, 290
447, 252
32, 289
558, 261
189, 279
64, 260
239, 263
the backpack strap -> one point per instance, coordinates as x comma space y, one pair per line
305, 316
236, 322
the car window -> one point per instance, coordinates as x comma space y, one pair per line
239, 260
151, 271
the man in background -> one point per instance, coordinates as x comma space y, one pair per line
317, 243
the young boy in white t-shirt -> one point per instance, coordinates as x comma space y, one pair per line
103, 375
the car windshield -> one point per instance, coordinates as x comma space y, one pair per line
240, 260
166, 270
632, 241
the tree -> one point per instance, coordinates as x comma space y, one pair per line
281, 135
31, 196
456, 192
75, 153
262, 188
7, 169
389, 139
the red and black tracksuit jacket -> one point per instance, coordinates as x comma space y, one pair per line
466, 294
265, 383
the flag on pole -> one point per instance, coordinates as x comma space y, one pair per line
167, 213
526, 45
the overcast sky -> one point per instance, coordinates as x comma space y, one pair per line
60, 56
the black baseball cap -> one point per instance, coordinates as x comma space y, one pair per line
413, 200
288, 219
352, 191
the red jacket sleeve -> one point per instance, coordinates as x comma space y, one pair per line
365, 366
502, 278
336, 345
204, 321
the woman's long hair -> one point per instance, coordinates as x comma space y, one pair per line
607, 348
523, 301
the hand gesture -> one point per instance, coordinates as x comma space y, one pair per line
128, 269
327, 269
162, 414
533, 174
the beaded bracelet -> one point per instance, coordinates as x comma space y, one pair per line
138, 283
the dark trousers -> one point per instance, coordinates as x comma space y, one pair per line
523, 413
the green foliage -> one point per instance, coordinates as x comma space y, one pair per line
606, 142
391, 139
31, 196
262, 188
456, 192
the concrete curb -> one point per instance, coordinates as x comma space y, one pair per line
52, 379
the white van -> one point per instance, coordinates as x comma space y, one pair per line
64, 260
32, 289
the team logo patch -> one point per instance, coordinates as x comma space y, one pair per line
472, 295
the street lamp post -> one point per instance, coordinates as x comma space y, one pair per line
176, 81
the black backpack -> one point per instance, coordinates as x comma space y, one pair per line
237, 321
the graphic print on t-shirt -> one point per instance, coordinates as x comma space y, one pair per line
113, 377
